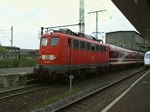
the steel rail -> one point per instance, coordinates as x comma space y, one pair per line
61, 108
20, 91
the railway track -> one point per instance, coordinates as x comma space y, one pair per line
72, 103
4, 95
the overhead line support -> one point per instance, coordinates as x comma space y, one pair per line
96, 20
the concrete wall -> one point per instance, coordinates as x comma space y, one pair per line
119, 37
126, 39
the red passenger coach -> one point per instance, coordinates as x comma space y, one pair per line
122, 56
64, 52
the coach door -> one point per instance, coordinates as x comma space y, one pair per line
69, 51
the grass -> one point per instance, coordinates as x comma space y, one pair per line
58, 97
20, 62
55, 98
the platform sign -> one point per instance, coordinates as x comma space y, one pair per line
71, 77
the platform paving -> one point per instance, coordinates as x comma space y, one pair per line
19, 70
135, 99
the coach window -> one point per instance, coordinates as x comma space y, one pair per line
82, 45
54, 41
76, 44
87, 46
44, 41
120, 54
123, 55
114, 54
127, 55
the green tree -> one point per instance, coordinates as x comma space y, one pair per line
3, 50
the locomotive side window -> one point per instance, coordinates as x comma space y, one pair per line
76, 44
44, 41
101, 48
93, 47
87, 46
104, 48
82, 45
97, 47
54, 41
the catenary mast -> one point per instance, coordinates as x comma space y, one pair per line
81, 17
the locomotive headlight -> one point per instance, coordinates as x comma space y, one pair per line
48, 57
52, 57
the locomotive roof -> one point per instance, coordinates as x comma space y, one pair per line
79, 37
69, 32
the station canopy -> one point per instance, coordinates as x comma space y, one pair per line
138, 13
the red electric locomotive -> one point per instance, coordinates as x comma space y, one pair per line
63, 53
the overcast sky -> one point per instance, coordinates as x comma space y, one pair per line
28, 16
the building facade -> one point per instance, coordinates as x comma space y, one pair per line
127, 39
16, 52
12, 52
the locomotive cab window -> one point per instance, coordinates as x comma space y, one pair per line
54, 41
44, 41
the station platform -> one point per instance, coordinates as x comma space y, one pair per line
134, 99
19, 70
13, 77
